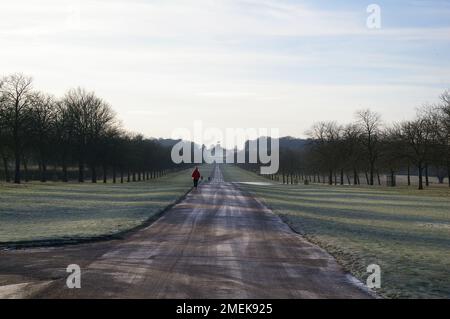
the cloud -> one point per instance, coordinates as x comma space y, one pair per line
216, 59
195, 18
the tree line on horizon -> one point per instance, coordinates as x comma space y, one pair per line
340, 154
78, 135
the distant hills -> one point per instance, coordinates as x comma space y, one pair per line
286, 142
293, 142
167, 142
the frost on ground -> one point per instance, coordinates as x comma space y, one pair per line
405, 231
38, 211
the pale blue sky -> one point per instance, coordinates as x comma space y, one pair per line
250, 63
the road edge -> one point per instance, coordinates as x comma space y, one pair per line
349, 276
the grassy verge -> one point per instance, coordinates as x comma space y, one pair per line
405, 231
54, 211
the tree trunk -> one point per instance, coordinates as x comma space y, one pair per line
393, 184
378, 177
372, 169
355, 177
25, 170
16, 150
44, 172
330, 177
427, 181
367, 178
64, 167
420, 176
94, 174
105, 174
17, 169
81, 171
409, 175
55, 173
114, 174
342, 176
42, 168
448, 173
64, 171
6, 169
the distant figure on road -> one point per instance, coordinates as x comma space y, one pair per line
196, 176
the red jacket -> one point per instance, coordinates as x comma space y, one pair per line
196, 174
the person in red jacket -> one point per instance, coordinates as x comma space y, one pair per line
196, 176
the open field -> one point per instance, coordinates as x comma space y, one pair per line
49, 211
405, 231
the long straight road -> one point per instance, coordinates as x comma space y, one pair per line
216, 243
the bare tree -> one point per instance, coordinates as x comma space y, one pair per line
89, 119
43, 117
370, 125
15, 92
76, 103
4, 135
326, 137
394, 154
352, 149
367, 144
63, 137
444, 130
101, 123
419, 136
80, 129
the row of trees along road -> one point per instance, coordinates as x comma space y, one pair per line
77, 135
340, 154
